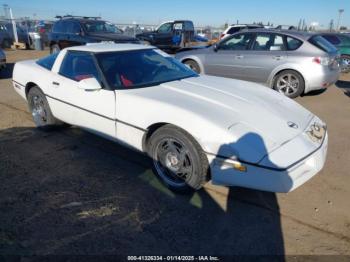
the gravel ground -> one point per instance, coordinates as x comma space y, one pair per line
70, 192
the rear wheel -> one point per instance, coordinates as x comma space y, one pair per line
54, 49
345, 59
6, 43
290, 83
178, 160
193, 65
41, 112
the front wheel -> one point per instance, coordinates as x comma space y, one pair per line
178, 160
54, 49
193, 65
41, 112
345, 59
290, 83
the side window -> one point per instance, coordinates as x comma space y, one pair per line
237, 42
78, 66
165, 28
332, 39
48, 61
293, 43
57, 27
189, 26
268, 42
233, 30
345, 40
263, 42
178, 26
73, 28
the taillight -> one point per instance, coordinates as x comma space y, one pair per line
317, 60
221, 36
321, 60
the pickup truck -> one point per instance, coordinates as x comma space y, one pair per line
170, 36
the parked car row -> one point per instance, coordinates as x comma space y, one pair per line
290, 62
7, 36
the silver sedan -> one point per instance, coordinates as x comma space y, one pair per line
291, 62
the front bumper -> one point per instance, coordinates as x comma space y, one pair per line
269, 179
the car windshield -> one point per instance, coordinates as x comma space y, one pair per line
141, 68
322, 44
100, 27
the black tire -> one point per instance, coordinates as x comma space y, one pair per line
170, 143
54, 49
6, 43
193, 65
294, 83
346, 63
40, 110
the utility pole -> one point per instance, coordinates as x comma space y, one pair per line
340, 11
13, 25
331, 25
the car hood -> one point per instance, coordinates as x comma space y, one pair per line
242, 108
112, 37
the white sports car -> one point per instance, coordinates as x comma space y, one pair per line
194, 128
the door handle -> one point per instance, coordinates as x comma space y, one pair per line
278, 57
55, 83
239, 56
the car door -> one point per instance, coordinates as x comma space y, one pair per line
58, 34
226, 59
93, 110
267, 52
74, 34
164, 35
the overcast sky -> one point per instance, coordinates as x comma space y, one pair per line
202, 12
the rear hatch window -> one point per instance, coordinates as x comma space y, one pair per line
322, 44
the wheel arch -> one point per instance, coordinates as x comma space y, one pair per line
274, 74
154, 127
149, 132
29, 86
195, 59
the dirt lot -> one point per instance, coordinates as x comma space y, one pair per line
70, 192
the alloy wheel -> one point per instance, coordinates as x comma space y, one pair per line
287, 84
346, 64
173, 162
38, 111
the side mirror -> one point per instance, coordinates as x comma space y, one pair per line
89, 84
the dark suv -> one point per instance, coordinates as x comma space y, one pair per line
72, 31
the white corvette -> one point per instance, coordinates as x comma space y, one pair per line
194, 127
